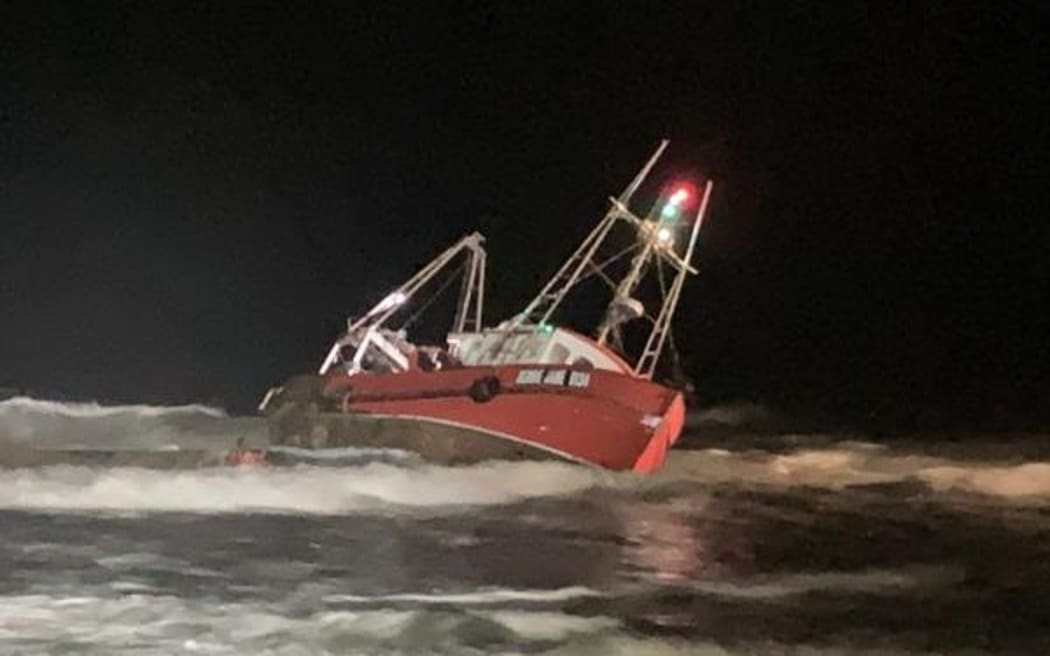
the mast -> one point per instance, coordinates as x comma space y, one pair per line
545, 303
654, 243
626, 289
654, 345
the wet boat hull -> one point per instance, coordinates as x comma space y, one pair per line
473, 414
432, 440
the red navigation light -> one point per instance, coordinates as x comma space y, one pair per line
682, 193
679, 195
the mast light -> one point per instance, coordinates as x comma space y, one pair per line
680, 196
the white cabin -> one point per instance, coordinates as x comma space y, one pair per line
533, 345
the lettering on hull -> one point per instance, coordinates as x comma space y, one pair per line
557, 377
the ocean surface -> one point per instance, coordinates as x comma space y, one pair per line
766, 543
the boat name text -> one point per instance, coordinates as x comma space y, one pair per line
561, 377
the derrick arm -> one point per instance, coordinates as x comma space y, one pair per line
365, 330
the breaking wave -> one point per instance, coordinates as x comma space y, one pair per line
155, 624
384, 488
732, 414
50, 425
1026, 481
93, 410
307, 490
852, 464
890, 582
478, 598
167, 624
827, 462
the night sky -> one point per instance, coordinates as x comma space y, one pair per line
194, 195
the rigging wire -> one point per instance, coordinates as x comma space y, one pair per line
599, 268
678, 374
450, 278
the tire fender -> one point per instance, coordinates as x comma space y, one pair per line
484, 389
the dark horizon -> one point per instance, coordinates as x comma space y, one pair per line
193, 198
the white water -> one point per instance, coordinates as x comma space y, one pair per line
378, 486
732, 414
309, 490
418, 559
388, 488
889, 582
49, 424
476, 598
850, 464
39, 408
158, 624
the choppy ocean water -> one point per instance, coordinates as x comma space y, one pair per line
787, 544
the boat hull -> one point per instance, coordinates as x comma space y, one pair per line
473, 414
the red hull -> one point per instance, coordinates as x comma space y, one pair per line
597, 417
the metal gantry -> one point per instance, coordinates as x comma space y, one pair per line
366, 332
651, 244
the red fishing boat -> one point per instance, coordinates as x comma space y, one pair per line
527, 388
